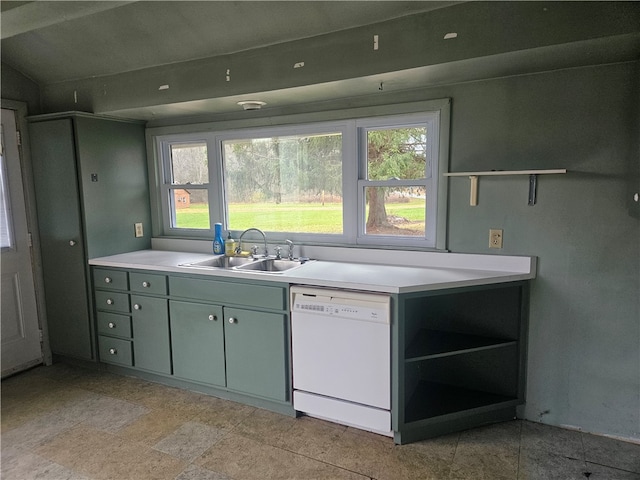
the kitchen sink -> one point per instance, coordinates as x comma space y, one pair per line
221, 261
273, 265
249, 264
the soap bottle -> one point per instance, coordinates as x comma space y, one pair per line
230, 245
218, 242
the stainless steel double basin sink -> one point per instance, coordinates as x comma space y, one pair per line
249, 264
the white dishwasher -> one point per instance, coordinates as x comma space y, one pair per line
341, 345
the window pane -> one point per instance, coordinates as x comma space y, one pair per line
190, 208
189, 164
396, 153
397, 211
5, 228
284, 184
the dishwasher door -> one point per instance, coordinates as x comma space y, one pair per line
341, 345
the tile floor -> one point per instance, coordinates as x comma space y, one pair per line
67, 423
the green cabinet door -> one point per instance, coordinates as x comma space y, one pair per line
150, 324
197, 342
61, 237
256, 353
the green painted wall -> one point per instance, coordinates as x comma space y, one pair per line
15, 86
584, 337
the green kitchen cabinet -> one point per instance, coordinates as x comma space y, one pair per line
91, 186
461, 358
151, 340
197, 342
256, 352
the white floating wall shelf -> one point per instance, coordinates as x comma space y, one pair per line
533, 180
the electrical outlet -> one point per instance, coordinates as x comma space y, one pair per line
139, 231
495, 238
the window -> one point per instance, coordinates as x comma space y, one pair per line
284, 184
6, 235
369, 181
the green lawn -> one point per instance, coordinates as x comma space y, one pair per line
292, 217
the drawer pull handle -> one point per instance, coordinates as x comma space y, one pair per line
137, 306
113, 351
232, 320
213, 317
110, 301
146, 284
111, 325
107, 280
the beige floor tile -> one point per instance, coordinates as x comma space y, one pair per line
109, 414
376, 456
24, 401
544, 438
194, 472
308, 436
601, 472
488, 453
190, 440
612, 453
265, 426
219, 413
154, 426
25, 466
103, 455
39, 429
243, 458
541, 464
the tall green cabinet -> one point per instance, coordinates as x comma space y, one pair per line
92, 188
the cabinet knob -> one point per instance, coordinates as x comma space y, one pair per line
110, 301
72, 243
213, 317
111, 325
113, 351
107, 280
137, 306
146, 284
232, 320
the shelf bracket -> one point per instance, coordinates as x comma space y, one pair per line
473, 191
533, 182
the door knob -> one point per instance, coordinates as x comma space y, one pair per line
72, 243
232, 320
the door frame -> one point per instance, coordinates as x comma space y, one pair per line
20, 109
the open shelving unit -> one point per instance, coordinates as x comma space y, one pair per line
461, 358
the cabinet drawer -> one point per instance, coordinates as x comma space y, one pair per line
110, 279
114, 324
148, 283
111, 301
115, 350
217, 291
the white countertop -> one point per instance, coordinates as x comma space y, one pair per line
344, 274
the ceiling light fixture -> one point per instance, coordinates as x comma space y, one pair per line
252, 104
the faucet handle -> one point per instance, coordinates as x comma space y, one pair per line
278, 251
254, 250
290, 244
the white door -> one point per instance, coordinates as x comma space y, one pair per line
21, 347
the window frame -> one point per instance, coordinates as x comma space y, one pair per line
353, 123
429, 181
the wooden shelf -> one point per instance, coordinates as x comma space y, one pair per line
429, 344
432, 399
533, 180
505, 172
